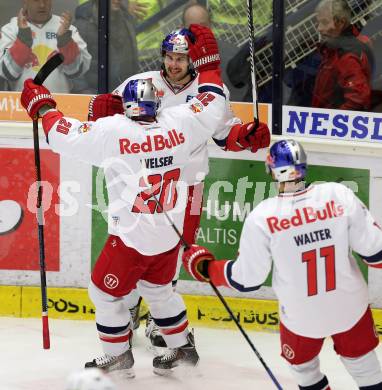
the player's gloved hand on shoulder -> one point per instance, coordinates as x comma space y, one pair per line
252, 136
196, 260
104, 105
34, 97
203, 48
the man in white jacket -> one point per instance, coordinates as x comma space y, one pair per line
33, 36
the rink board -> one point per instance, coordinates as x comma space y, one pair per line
236, 183
207, 311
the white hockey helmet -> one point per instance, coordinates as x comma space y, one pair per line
286, 161
89, 379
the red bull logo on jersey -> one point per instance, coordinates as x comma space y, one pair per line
305, 215
152, 143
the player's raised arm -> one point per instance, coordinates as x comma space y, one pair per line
203, 115
64, 135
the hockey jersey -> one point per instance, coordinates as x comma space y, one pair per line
308, 235
141, 161
44, 46
197, 168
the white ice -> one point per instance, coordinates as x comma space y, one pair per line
227, 362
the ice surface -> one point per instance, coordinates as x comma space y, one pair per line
227, 362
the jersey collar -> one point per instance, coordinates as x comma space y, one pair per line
297, 193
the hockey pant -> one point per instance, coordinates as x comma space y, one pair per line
354, 346
117, 271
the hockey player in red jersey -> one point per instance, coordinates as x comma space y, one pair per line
143, 155
307, 232
177, 82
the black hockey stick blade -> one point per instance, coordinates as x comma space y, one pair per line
48, 68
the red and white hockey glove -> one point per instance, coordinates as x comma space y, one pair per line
196, 260
203, 48
104, 105
252, 136
34, 97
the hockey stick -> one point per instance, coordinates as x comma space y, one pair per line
251, 32
217, 292
40, 77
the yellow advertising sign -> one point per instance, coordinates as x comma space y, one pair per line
206, 311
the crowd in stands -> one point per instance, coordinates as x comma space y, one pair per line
344, 72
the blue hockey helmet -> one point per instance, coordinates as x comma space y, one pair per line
286, 161
140, 98
175, 42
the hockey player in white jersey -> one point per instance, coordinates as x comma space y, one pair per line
308, 232
143, 156
177, 83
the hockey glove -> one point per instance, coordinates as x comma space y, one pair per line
196, 260
203, 48
104, 105
252, 136
34, 97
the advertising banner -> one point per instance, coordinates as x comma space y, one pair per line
232, 189
332, 124
19, 246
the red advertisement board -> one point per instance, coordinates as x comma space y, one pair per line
19, 244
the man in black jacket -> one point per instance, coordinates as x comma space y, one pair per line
123, 52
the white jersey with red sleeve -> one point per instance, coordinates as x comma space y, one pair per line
43, 47
140, 161
197, 169
307, 236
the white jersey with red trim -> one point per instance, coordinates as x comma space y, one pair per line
308, 234
140, 161
198, 168
43, 47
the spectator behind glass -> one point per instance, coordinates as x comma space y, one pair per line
33, 36
195, 13
344, 77
123, 53
239, 73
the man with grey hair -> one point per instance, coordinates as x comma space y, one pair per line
195, 13
343, 78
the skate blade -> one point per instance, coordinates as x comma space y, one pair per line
182, 370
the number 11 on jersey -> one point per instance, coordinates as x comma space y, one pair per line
310, 258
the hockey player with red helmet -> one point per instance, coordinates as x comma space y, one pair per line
306, 234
